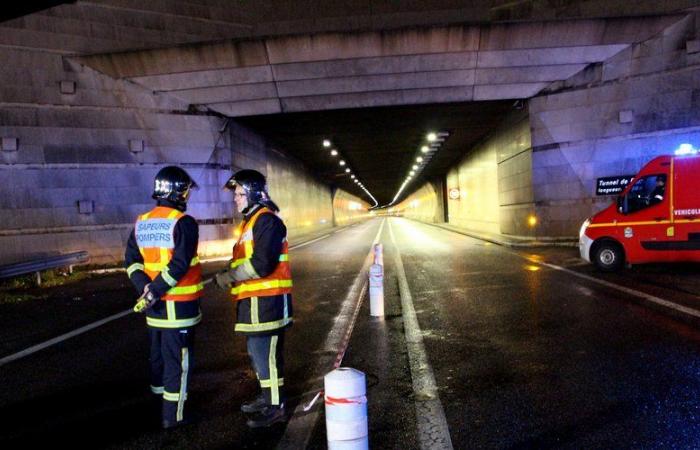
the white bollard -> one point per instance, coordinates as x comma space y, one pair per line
346, 409
376, 290
379, 254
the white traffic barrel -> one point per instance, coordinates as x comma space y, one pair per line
346, 409
379, 254
376, 290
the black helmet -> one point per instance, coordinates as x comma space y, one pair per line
254, 185
173, 184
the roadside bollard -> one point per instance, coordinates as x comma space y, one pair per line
376, 290
346, 409
379, 254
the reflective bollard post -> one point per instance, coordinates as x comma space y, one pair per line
346, 409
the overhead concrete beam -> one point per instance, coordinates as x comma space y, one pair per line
247, 108
380, 98
345, 70
206, 78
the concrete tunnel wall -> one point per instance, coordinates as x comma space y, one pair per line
423, 205
609, 120
77, 168
493, 181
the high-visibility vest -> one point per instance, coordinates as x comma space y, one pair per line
279, 282
155, 236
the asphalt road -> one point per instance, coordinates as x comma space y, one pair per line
520, 354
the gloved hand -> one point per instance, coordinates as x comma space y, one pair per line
147, 300
223, 279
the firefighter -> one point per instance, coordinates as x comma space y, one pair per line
162, 263
657, 194
260, 282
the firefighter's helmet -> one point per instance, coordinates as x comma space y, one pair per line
173, 184
254, 185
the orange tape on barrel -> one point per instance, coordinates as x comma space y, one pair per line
345, 401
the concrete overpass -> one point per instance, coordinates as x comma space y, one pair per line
536, 102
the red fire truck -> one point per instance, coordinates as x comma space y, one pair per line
655, 219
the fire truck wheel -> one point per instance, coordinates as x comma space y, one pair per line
608, 256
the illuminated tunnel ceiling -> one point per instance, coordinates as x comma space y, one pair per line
380, 144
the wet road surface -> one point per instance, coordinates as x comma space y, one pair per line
522, 355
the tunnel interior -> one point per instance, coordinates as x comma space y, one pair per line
380, 145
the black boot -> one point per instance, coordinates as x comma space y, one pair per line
269, 415
255, 405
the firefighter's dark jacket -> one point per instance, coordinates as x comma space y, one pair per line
186, 239
269, 233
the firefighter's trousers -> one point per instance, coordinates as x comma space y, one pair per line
266, 354
171, 366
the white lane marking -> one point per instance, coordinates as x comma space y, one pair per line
62, 338
433, 432
302, 423
626, 290
309, 242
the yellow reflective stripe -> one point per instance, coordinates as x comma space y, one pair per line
238, 262
133, 268
159, 266
167, 278
157, 389
249, 287
181, 323
146, 216
173, 214
274, 382
248, 245
284, 257
265, 326
182, 290
173, 397
621, 224
170, 310
155, 267
254, 312
268, 383
183, 384
164, 256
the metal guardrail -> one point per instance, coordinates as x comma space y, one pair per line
39, 264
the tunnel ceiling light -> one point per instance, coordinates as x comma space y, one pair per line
347, 170
352, 176
326, 143
425, 149
431, 137
415, 167
419, 159
342, 162
411, 173
334, 152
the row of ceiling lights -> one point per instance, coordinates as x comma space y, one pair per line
334, 152
433, 142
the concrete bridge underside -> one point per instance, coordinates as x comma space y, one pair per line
315, 72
